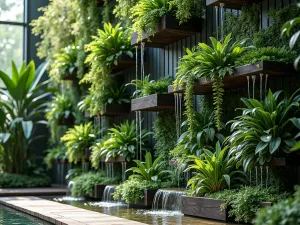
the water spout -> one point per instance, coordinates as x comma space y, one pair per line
248, 81
253, 81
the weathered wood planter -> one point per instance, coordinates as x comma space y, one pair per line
155, 102
99, 190
292, 159
168, 31
116, 109
124, 62
117, 159
147, 201
208, 208
239, 77
232, 4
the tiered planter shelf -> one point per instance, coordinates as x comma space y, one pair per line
239, 77
98, 190
147, 201
168, 31
208, 208
292, 159
155, 102
124, 62
116, 109
70, 76
69, 121
117, 159
231, 4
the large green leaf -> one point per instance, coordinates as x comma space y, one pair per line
27, 128
274, 144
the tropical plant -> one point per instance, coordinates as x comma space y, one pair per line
117, 95
148, 170
21, 108
122, 10
286, 212
287, 29
214, 172
58, 109
65, 63
123, 141
206, 135
148, 87
187, 9
146, 14
84, 184
97, 154
268, 54
77, 140
243, 203
265, 129
53, 154
104, 52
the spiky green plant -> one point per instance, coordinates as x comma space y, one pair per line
214, 171
149, 170
77, 140
265, 129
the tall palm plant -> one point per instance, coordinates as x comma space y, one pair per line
22, 105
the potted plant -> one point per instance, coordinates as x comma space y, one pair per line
78, 141
104, 52
152, 95
145, 180
265, 129
153, 20
121, 143
65, 64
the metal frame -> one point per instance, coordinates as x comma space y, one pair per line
24, 24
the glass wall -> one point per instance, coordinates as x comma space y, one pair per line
13, 26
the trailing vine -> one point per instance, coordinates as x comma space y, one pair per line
122, 10
218, 92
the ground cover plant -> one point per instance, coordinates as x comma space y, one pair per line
8, 180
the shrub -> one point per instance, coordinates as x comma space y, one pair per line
8, 180
245, 202
84, 184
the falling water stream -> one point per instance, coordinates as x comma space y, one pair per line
68, 196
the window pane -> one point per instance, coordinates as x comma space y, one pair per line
12, 10
11, 46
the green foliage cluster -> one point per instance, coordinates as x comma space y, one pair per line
104, 52
120, 141
243, 203
77, 140
132, 191
164, 133
213, 172
149, 170
268, 54
286, 212
148, 87
55, 33
146, 14
84, 184
270, 35
8, 180
244, 25
265, 129
57, 153
122, 10
187, 9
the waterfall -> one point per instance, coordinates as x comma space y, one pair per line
68, 196
107, 194
70, 187
107, 198
167, 200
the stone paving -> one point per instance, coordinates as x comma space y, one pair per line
32, 191
61, 214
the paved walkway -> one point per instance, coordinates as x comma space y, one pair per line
5, 192
62, 214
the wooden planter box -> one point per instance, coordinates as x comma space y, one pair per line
292, 159
99, 190
124, 62
239, 77
70, 76
208, 208
168, 31
204, 207
69, 121
117, 159
232, 4
145, 203
155, 102
116, 109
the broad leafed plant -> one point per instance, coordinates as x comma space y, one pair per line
265, 129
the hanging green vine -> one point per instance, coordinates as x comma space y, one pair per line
122, 11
